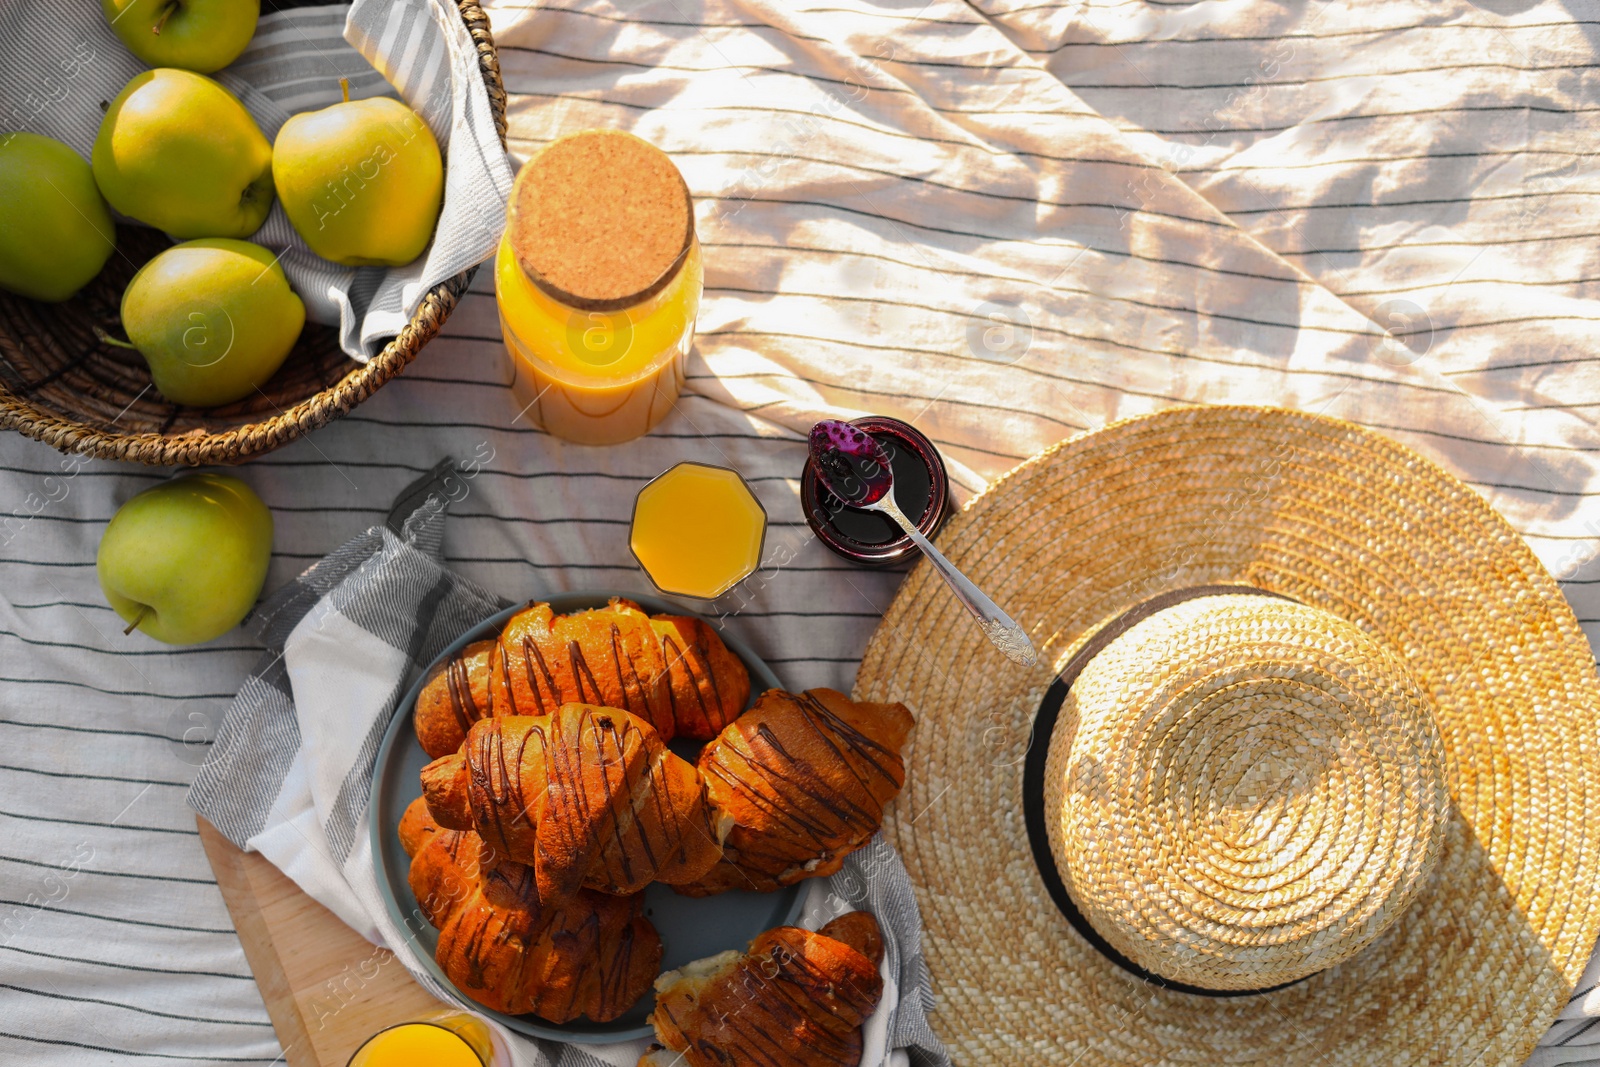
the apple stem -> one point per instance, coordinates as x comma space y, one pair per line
106, 338
344, 86
144, 610
166, 13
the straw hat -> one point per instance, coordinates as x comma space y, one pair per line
1305, 776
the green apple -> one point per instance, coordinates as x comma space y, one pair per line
184, 561
55, 231
179, 152
362, 181
213, 318
200, 35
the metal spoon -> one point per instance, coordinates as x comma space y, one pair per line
856, 467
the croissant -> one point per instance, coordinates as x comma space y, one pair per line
794, 999
672, 671
510, 950
805, 779
417, 825
589, 796
859, 930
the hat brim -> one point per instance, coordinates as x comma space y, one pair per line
1334, 516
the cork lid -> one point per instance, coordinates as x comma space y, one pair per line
601, 220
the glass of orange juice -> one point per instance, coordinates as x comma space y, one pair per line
697, 530
598, 282
446, 1039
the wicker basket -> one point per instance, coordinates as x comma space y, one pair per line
61, 385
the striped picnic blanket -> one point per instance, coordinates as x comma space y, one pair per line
1004, 222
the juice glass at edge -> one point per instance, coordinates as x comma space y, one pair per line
444, 1039
592, 377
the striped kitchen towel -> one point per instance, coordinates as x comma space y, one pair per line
61, 61
290, 769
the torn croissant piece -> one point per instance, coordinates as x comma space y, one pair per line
672, 671
507, 948
859, 930
794, 999
589, 796
805, 778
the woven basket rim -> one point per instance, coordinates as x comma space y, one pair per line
199, 447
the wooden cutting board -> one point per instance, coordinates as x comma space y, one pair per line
326, 988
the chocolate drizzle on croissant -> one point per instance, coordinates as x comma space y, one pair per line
508, 948
525, 834
794, 999
805, 779
672, 671
589, 796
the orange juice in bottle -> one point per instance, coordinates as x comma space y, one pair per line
598, 281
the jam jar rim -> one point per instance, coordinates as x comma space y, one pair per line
887, 553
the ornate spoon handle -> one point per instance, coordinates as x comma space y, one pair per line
996, 624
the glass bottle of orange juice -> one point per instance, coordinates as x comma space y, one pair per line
598, 281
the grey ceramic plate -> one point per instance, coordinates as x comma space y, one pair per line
690, 929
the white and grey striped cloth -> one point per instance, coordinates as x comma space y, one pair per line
291, 766
1005, 221
59, 59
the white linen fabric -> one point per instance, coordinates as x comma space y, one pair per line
1004, 222
291, 766
59, 59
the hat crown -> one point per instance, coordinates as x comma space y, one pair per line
1242, 790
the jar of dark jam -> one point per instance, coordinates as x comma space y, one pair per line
921, 488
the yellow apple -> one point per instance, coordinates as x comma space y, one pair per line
213, 318
198, 35
362, 181
55, 231
185, 560
179, 152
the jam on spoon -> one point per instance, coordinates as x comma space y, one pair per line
854, 464
856, 468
